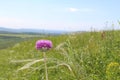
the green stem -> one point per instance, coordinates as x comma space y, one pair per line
45, 62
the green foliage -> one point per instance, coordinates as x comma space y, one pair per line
77, 56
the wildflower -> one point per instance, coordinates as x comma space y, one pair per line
113, 71
112, 65
43, 44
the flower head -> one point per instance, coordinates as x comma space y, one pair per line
113, 69
43, 44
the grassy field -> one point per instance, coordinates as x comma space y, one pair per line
9, 39
77, 56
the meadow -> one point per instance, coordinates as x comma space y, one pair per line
75, 56
10, 39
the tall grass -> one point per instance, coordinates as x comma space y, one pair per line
80, 56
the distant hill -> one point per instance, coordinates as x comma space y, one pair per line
9, 30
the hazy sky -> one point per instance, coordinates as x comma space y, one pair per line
59, 14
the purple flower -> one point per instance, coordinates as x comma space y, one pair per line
43, 44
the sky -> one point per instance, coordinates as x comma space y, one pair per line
70, 15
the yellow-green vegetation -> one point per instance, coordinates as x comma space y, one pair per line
21, 35
77, 56
9, 39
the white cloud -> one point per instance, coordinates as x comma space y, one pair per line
73, 9
80, 10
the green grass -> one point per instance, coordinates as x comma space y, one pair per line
21, 35
8, 40
81, 56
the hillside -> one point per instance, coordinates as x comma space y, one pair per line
32, 31
8, 39
78, 56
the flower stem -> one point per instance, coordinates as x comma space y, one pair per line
45, 62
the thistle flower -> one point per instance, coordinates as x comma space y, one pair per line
43, 44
